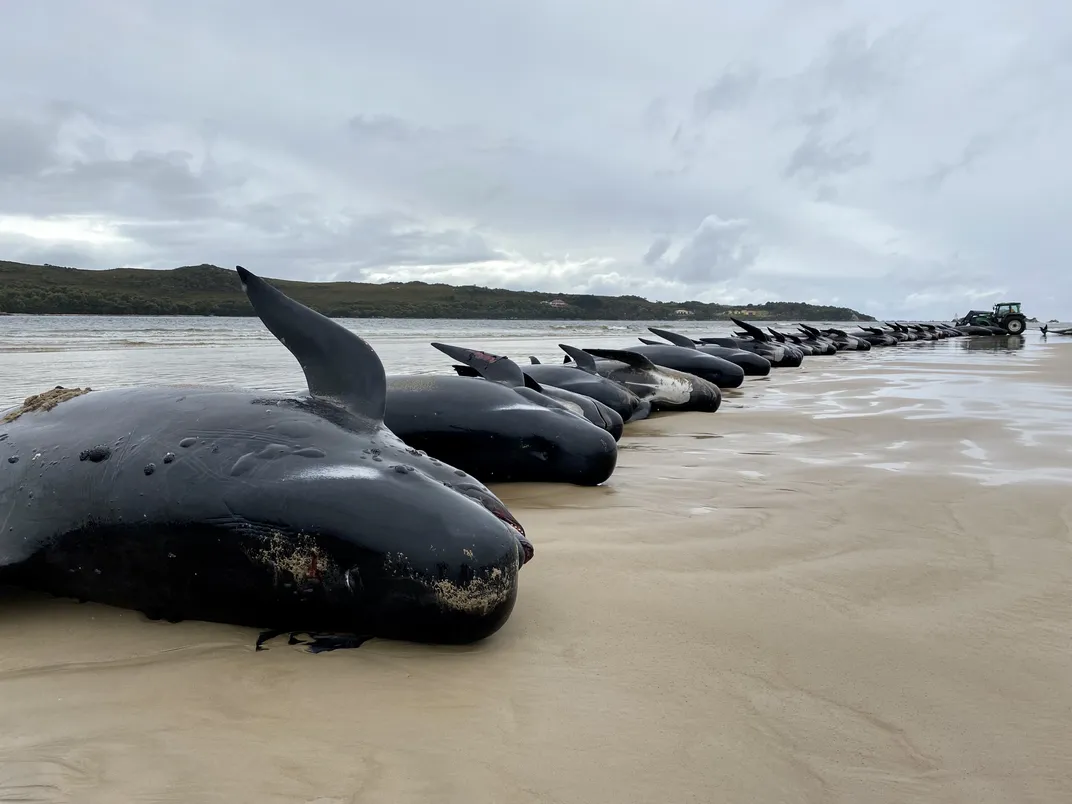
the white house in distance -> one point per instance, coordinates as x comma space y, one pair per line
556, 303
682, 311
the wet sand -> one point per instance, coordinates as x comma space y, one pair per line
853, 584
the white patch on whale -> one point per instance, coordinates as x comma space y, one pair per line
516, 406
672, 388
338, 472
572, 406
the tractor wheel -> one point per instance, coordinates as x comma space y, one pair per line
1014, 326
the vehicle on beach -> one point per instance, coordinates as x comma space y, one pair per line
1005, 315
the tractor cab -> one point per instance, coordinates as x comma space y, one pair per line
1002, 309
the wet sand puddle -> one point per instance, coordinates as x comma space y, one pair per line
926, 399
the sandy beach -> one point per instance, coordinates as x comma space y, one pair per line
852, 585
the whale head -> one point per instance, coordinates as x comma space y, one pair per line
373, 535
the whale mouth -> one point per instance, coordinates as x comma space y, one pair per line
495, 506
527, 550
526, 547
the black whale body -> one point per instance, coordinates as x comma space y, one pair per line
495, 434
571, 378
689, 360
301, 513
503, 370
664, 389
752, 364
779, 355
549, 396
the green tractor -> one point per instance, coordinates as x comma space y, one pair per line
1006, 315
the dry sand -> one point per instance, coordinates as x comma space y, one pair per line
854, 584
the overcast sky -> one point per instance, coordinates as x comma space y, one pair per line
907, 159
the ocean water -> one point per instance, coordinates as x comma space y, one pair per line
40, 352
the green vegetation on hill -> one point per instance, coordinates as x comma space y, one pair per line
209, 290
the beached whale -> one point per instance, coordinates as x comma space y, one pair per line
752, 364
571, 378
819, 342
841, 339
780, 355
503, 370
877, 337
300, 513
715, 370
797, 342
663, 388
496, 434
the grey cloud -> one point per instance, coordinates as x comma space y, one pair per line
973, 151
383, 128
44, 182
579, 152
23, 149
730, 91
858, 66
717, 250
657, 249
821, 159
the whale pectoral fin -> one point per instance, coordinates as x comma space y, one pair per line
633, 359
465, 371
650, 342
338, 364
496, 368
534, 360
317, 642
584, 361
673, 337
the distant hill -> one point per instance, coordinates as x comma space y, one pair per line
210, 290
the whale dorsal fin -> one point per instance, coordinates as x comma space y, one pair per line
751, 329
633, 359
469, 371
338, 364
584, 361
650, 342
531, 383
534, 360
673, 337
496, 368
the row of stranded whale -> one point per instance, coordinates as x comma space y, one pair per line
358, 509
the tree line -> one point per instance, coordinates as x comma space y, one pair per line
215, 291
